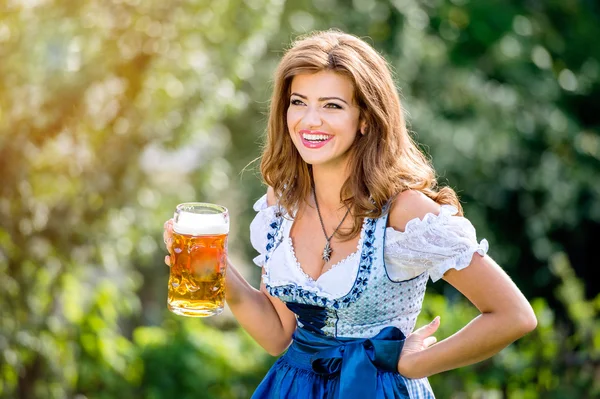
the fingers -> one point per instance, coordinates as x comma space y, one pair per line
168, 239
430, 328
435, 323
168, 234
168, 229
427, 342
424, 334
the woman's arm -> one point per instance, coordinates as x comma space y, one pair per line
505, 317
266, 318
505, 313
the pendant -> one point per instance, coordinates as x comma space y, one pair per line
327, 252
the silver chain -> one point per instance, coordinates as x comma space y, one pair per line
327, 250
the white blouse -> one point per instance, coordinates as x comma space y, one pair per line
433, 244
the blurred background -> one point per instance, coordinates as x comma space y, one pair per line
112, 112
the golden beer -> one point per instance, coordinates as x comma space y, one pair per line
198, 260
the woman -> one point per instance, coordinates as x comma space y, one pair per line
349, 231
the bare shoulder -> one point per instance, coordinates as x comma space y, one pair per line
408, 205
271, 198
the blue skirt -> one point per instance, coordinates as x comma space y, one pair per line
316, 366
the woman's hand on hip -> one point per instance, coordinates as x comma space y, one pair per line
416, 342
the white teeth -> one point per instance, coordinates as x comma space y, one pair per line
315, 137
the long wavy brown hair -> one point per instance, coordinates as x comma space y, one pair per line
385, 161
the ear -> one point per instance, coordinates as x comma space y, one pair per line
363, 127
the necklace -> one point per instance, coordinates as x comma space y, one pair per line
327, 251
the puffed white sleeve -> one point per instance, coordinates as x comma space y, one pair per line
434, 244
259, 228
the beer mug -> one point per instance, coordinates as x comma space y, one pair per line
198, 260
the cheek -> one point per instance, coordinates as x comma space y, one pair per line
346, 124
291, 119
354, 124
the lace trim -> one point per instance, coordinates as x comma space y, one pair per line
345, 260
293, 292
458, 262
417, 225
298, 266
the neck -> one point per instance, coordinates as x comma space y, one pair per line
328, 186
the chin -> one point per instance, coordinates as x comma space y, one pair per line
315, 160
312, 159
329, 162
321, 157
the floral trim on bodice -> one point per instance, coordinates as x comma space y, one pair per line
274, 235
294, 293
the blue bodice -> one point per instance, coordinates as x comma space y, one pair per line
374, 301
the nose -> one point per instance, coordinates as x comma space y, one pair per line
311, 117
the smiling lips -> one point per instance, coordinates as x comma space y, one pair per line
314, 139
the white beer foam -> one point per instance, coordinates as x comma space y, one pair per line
201, 224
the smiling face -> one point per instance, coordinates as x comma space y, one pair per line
323, 118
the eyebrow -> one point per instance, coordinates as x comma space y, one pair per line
321, 98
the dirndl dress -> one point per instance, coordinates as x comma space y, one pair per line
352, 321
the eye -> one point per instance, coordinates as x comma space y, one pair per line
333, 106
295, 101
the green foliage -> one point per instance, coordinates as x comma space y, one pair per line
557, 360
192, 360
111, 112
